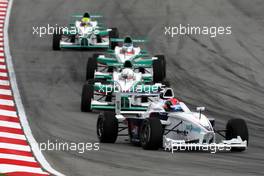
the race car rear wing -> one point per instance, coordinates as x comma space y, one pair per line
121, 40
91, 16
136, 62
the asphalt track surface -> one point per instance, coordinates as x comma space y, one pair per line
225, 74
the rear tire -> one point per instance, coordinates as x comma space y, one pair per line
113, 34
98, 39
87, 96
234, 128
151, 134
72, 37
107, 127
110, 69
144, 99
142, 70
56, 41
159, 69
91, 66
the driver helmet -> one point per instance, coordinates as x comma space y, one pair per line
128, 44
171, 104
86, 19
127, 73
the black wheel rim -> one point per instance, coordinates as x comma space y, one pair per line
145, 134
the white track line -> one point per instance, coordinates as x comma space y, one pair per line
3, 74
17, 157
4, 83
8, 113
35, 148
15, 147
7, 102
2, 67
13, 168
12, 136
10, 124
4, 91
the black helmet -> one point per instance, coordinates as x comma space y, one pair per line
86, 15
128, 64
128, 41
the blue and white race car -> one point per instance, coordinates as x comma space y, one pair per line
170, 124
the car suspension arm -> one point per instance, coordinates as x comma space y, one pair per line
173, 128
220, 132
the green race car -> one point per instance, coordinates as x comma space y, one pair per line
134, 89
83, 33
127, 55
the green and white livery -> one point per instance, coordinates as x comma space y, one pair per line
127, 55
85, 32
102, 92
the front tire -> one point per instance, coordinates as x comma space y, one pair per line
234, 128
151, 134
159, 69
113, 34
107, 127
56, 41
87, 96
91, 67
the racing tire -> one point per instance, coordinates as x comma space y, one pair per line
91, 67
151, 134
163, 64
107, 127
56, 41
110, 69
87, 96
72, 38
234, 128
159, 69
113, 34
142, 70
98, 39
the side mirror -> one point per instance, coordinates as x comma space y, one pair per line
200, 109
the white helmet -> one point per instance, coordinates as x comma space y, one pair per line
127, 73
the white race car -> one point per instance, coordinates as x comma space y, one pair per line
173, 128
